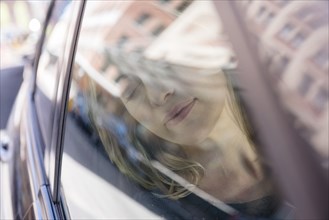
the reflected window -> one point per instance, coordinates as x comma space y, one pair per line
282, 3
164, 1
286, 31
261, 11
298, 39
297, 34
122, 41
270, 17
246, 3
313, 15
321, 58
285, 61
305, 13
143, 18
282, 64
184, 5
158, 30
320, 100
139, 50
305, 84
316, 22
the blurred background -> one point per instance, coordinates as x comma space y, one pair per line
21, 23
292, 39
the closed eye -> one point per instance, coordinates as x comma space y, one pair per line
120, 77
131, 91
128, 85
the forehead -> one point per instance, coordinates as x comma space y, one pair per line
141, 67
136, 65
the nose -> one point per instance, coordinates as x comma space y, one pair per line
158, 95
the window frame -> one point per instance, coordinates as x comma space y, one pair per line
51, 182
59, 72
56, 150
31, 143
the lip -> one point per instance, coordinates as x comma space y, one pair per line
179, 112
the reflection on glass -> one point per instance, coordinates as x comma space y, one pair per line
161, 97
299, 34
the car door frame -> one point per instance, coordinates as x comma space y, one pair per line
56, 148
31, 143
44, 188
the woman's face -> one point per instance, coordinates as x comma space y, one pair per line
181, 106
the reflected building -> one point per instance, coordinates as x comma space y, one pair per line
199, 26
18, 14
121, 31
20, 26
129, 26
15, 13
293, 35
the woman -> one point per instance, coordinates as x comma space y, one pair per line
205, 120
191, 122
182, 111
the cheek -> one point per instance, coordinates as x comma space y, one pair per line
219, 104
142, 113
136, 111
150, 120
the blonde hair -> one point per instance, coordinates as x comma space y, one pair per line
133, 155
237, 108
135, 158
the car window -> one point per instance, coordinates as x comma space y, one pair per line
50, 66
292, 40
156, 128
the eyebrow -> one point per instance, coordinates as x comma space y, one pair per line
119, 77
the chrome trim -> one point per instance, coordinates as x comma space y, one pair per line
292, 160
37, 212
43, 206
62, 206
33, 177
40, 45
34, 145
56, 150
46, 203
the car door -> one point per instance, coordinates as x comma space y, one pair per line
34, 177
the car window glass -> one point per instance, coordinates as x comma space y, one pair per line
292, 39
49, 67
155, 127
